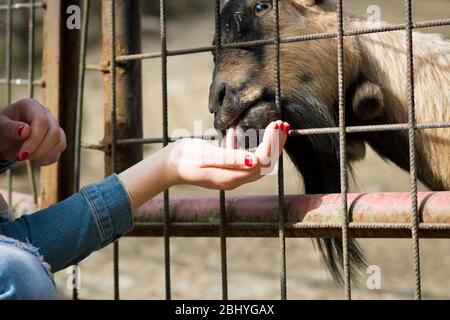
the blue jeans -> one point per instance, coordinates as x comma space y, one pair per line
62, 235
23, 273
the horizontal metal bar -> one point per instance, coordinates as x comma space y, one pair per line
160, 140
312, 131
97, 67
309, 37
104, 147
371, 215
17, 6
300, 230
99, 147
371, 128
23, 82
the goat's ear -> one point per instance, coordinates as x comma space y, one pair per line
318, 5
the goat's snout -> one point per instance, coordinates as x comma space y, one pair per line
233, 105
224, 96
221, 92
218, 95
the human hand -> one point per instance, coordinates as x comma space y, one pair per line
28, 131
200, 163
197, 162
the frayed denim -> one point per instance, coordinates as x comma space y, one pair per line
65, 234
24, 275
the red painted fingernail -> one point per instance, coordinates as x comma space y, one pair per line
282, 126
24, 156
276, 126
20, 130
248, 161
287, 128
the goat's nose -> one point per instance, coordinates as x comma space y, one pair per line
218, 95
221, 92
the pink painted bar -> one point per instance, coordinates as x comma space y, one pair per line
434, 208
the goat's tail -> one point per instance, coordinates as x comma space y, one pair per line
332, 254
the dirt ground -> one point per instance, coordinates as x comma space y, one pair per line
253, 264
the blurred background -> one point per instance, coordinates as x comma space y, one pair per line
253, 264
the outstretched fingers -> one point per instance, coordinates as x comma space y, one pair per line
266, 155
273, 143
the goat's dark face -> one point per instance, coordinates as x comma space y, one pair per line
243, 88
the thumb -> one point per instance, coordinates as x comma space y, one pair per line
13, 130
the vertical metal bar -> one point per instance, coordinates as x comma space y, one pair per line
412, 148
31, 40
222, 196
112, 88
128, 85
79, 118
116, 270
223, 244
123, 96
342, 153
80, 94
165, 119
281, 204
9, 179
112, 82
60, 67
8, 69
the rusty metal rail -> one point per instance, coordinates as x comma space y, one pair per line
377, 215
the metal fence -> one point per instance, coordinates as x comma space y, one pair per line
123, 141
30, 81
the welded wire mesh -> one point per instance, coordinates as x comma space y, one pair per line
341, 130
225, 228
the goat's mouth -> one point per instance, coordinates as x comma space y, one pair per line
249, 121
242, 117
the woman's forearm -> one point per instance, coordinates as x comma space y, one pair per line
148, 178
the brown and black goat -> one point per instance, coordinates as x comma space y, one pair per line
242, 94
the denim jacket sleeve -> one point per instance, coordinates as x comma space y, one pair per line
69, 231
